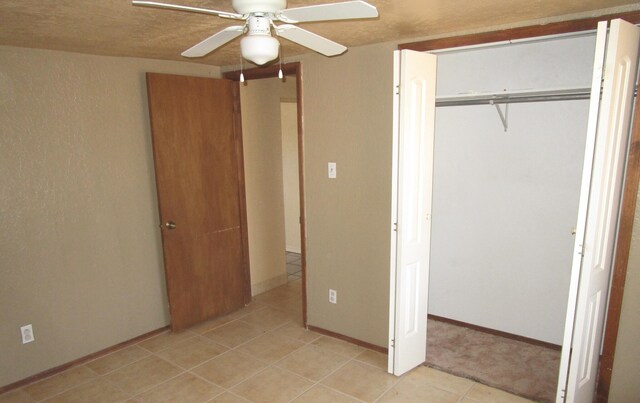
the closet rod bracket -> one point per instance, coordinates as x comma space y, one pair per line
503, 116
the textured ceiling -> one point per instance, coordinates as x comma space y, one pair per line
115, 27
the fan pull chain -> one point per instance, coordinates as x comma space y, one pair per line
280, 75
241, 74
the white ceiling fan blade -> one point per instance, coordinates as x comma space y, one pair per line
325, 12
214, 41
223, 14
310, 40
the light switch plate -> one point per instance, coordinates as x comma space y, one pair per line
333, 296
332, 170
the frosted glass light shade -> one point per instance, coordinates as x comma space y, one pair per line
259, 49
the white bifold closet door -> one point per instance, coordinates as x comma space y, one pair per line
413, 140
600, 198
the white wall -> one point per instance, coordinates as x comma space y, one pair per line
290, 175
505, 202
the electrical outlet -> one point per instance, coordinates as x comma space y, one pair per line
27, 334
333, 296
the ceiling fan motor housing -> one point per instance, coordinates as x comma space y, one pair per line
258, 6
258, 25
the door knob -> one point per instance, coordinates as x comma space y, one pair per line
170, 225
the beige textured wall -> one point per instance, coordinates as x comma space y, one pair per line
290, 175
626, 366
347, 120
262, 143
80, 254
347, 112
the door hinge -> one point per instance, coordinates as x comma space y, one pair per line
393, 343
395, 226
397, 90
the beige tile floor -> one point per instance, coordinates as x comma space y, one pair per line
258, 354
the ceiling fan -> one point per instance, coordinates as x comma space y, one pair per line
259, 16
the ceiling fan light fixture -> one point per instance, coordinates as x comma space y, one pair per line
259, 49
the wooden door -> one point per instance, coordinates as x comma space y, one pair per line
198, 161
413, 142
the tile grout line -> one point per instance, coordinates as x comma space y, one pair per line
182, 372
338, 368
273, 365
142, 392
194, 336
398, 379
236, 348
86, 381
138, 345
464, 395
224, 389
313, 382
152, 352
130, 395
461, 395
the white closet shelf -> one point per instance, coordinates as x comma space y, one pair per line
507, 97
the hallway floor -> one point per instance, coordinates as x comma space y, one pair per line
258, 354
294, 266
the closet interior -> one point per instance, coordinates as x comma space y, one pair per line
511, 122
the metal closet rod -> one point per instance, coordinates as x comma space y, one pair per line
516, 97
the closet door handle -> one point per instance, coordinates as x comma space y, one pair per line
170, 225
